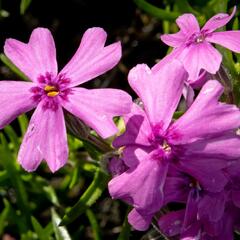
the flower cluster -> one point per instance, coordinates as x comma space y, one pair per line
192, 160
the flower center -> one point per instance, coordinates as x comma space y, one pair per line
195, 184
199, 39
51, 91
160, 142
166, 147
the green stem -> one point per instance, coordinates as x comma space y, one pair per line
95, 227
155, 11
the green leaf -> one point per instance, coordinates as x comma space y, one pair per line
3, 216
3, 176
23, 122
12, 67
24, 6
74, 178
15, 218
88, 198
91, 149
29, 235
3, 13
49, 229
95, 227
184, 6
61, 233
126, 229
177, 114
218, 6
166, 23
8, 162
11, 134
50, 192
42, 233
155, 11
38, 229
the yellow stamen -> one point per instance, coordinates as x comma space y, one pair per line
166, 147
51, 91
53, 94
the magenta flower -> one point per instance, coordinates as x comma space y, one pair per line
204, 209
192, 45
200, 142
207, 216
51, 91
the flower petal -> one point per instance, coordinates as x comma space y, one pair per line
188, 24
191, 209
141, 187
218, 21
139, 221
206, 117
193, 232
134, 154
207, 171
171, 223
36, 57
116, 166
236, 197
92, 58
176, 189
138, 129
228, 39
45, 138
204, 76
160, 91
15, 99
200, 56
225, 146
188, 94
175, 39
97, 107
173, 55
212, 206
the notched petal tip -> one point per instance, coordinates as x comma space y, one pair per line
96, 30
188, 24
213, 86
36, 57
28, 166
41, 30
136, 72
116, 50
55, 167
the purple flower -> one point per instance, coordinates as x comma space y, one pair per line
116, 166
200, 142
174, 223
204, 209
51, 91
192, 45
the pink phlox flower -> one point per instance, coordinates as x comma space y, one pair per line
204, 209
50, 92
200, 142
171, 224
192, 45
